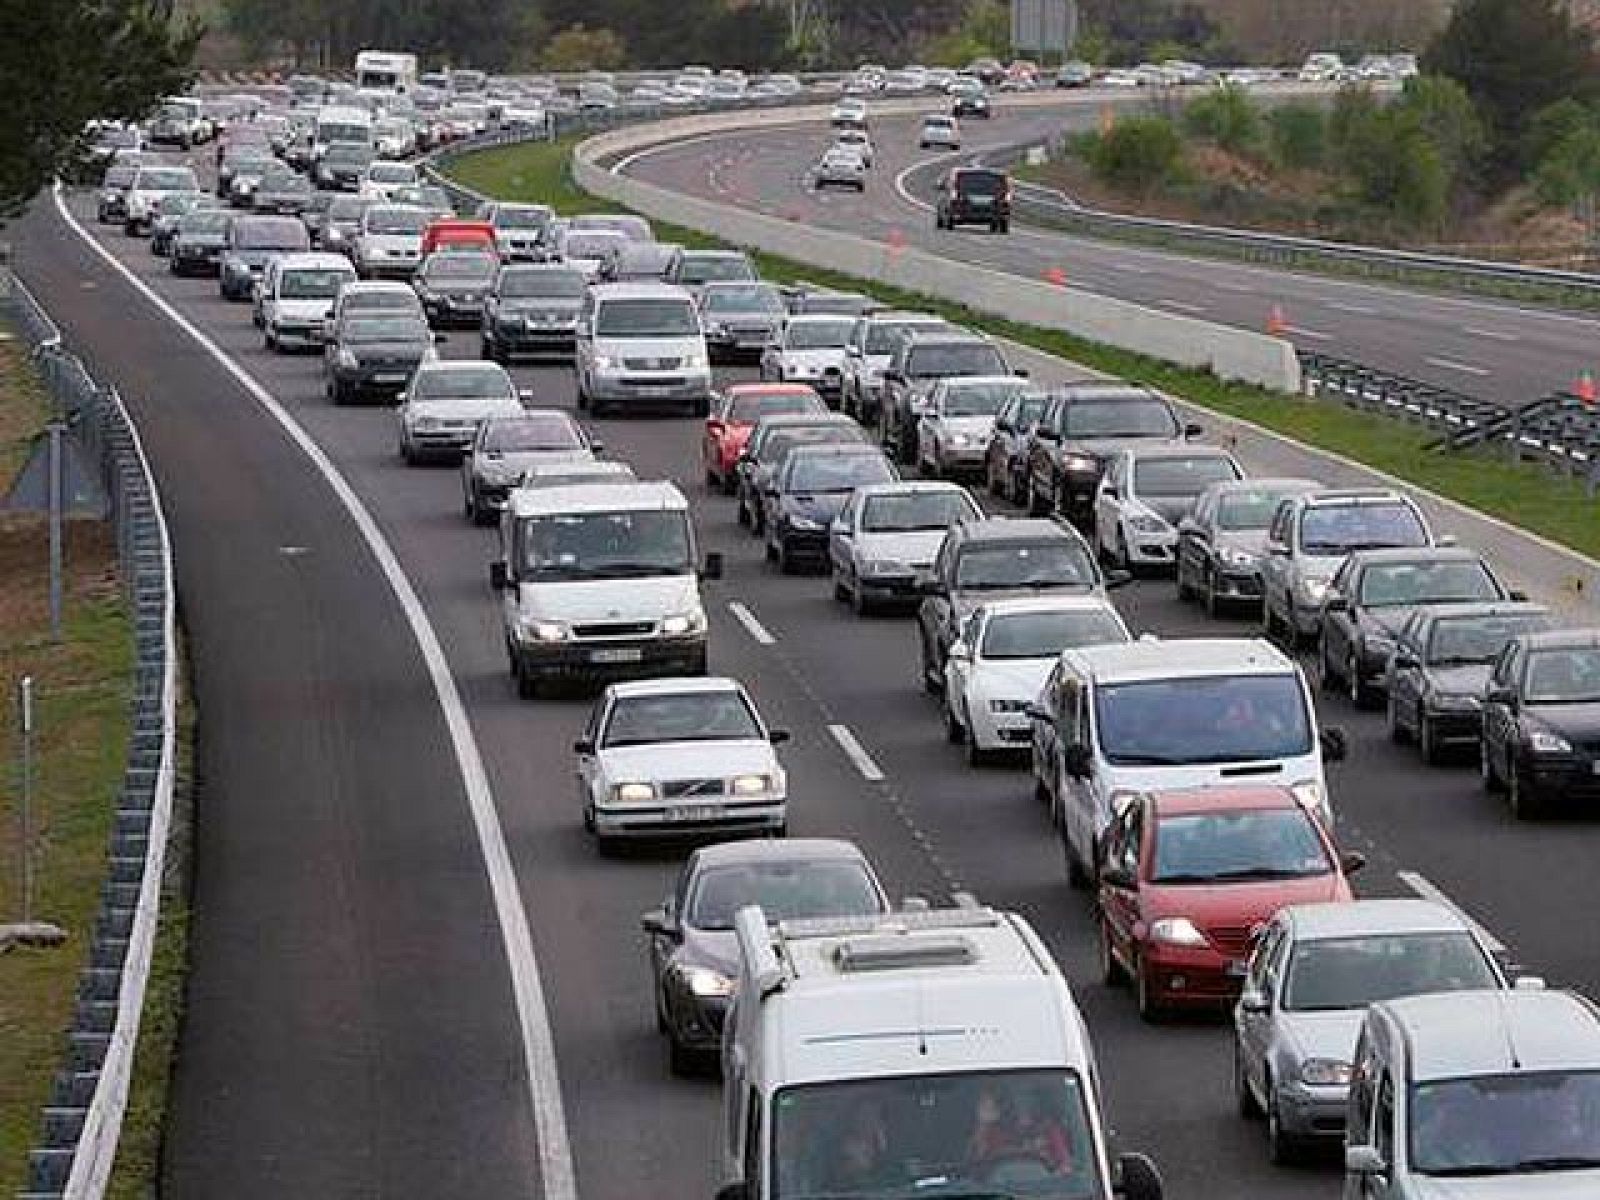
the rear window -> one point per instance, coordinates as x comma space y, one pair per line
478, 384
1181, 476
545, 432
1389, 584
817, 335
836, 472
753, 408
754, 298
167, 179
308, 283
1334, 529
563, 284
962, 358
397, 221
271, 235
656, 316
883, 337
981, 183
704, 269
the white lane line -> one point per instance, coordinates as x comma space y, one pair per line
533, 1015
1182, 307
1227, 286
1493, 335
1450, 364
857, 753
1428, 890
1316, 335
1363, 310
752, 626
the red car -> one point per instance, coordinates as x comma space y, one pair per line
734, 414
1187, 878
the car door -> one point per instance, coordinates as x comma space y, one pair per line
1078, 792
1040, 471
1338, 615
1498, 719
958, 669
662, 945
1044, 742
1275, 562
842, 539
588, 764
1194, 534
1406, 681
929, 426
1109, 501
1120, 862
1254, 1029
933, 613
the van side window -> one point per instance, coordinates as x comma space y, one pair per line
1081, 733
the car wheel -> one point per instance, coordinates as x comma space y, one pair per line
1491, 778
1186, 590
742, 513
1077, 874
1031, 498
527, 682
977, 756
1524, 805
1391, 720
1119, 553
681, 1061
1244, 1099
840, 592
1282, 1149
268, 341
860, 602
1144, 994
785, 557
1326, 675
1362, 694
932, 681
1111, 972
954, 732
1428, 741
1212, 602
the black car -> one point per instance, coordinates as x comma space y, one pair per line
341, 223
1440, 669
112, 208
374, 354
342, 167
993, 559
284, 191
454, 287
740, 319
807, 493
970, 103
1372, 594
252, 241
532, 309
199, 241
919, 362
772, 438
974, 196
169, 210
1220, 543
1083, 425
694, 952
1005, 461
1541, 721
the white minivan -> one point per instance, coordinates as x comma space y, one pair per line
921, 1052
1117, 720
641, 344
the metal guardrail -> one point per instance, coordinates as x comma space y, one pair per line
1047, 207
82, 1120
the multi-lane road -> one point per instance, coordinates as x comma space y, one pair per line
352, 1029
1496, 350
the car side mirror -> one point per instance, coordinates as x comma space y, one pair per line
525, 395
1364, 1160
1137, 1178
1352, 862
499, 575
1193, 430
1517, 594
1337, 603
1020, 372
583, 746
959, 652
1254, 1000
1335, 745
713, 565
1117, 577
439, 339
1117, 877
1404, 660
657, 923
1502, 695
1037, 712
1077, 761
597, 448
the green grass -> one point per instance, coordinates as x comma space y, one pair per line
1523, 494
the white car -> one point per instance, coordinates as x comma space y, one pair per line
840, 166
858, 141
678, 757
390, 240
809, 349
1007, 648
939, 131
849, 113
150, 185
297, 296
383, 178
1146, 491
883, 542
954, 430
445, 402
589, 250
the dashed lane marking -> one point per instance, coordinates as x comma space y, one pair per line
753, 627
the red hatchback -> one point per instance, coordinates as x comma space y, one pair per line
734, 414
1186, 879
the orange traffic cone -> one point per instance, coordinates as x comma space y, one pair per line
1277, 324
1584, 388
1056, 276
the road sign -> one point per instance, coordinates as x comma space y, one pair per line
1043, 28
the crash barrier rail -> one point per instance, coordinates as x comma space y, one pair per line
82, 1119
1560, 431
1045, 206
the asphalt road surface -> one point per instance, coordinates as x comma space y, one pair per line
351, 1031
1496, 350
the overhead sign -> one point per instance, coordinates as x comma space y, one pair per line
1041, 28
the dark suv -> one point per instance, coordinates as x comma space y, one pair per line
991, 560
1081, 427
919, 362
974, 196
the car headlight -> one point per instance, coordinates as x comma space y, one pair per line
705, 983
1148, 524
1079, 464
1228, 556
682, 623
1308, 794
1542, 741
1325, 1072
750, 785
1312, 590
544, 631
348, 361
607, 362
696, 360
1006, 705
633, 793
1176, 931
1454, 702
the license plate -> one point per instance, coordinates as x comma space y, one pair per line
693, 812
1595, 766
654, 389
388, 377
982, 201
617, 654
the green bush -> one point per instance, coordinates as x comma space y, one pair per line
1228, 116
1298, 135
1137, 153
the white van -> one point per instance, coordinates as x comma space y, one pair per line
601, 580
1117, 720
933, 1050
641, 343
337, 124
297, 295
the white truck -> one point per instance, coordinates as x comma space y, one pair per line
933, 1052
386, 71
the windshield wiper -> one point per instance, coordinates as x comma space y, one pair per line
1147, 760
1264, 873
616, 570
1554, 1162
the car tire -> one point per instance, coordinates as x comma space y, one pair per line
1329, 679
741, 512
785, 557
268, 341
954, 732
1077, 874
1283, 1150
860, 602
1111, 972
1186, 590
932, 681
840, 592
1492, 782
1150, 1011
1035, 509
1523, 803
1398, 734
1243, 1098
977, 756
527, 682
1209, 598
1005, 226
1362, 694
1428, 741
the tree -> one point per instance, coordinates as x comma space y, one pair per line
1298, 134
985, 30
1137, 153
1446, 115
1229, 117
1514, 58
67, 62
578, 49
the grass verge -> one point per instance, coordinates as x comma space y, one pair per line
1523, 494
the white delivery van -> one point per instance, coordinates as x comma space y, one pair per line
932, 1052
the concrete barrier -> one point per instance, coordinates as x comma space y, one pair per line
1228, 352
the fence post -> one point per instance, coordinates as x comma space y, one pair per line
56, 503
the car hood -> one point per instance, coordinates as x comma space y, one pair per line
1171, 509
463, 408
1105, 447
1556, 1185
1468, 679
1247, 541
586, 600
714, 949
816, 506
1013, 678
1387, 620
540, 304
1574, 721
687, 760
914, 546
644, 347
365, 351
978, 427
1324, 1034
820, 358
965, 602
1235, 905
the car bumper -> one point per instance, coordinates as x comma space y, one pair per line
389, 268
1000, 730
1240, 587
897, 588
614, 657
808, 544
462, 314
697, 1021
1197, 977
1077, 496
1152, 549
693, 818
376, 381
535, 338
441, 443
1455, 724
1306, 619
1562, 778
681, 387
1312, 1112
747, 343
201, 261
962, 458
300, 333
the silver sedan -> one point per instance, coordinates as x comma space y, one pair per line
841, 166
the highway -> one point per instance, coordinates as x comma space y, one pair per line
352, 1029
1496, 350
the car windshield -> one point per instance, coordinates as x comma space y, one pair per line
1248, 508
774, 449
1338, 974
1458, 641
348, 154
348, 208
167, 179
1169, 477
521, 218
754, 298
1527, 1123
653, 317
747, 410
910, 512
990, 1134
397, 221
785, 890
207, 221
1213, 719
478, 383
1570, 675
981, 183
1125, 417
723, 715
271, 235
966, 358
606, 545
816, 335
1241, 844
884, 336
1047, 634
1058, 562
386, 329
698, 269
979, 399
596, 244
469, 267
1388, 585
1334, 529
835, 472
121, 176
555, 285
520, 434
387, 172
308, 283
